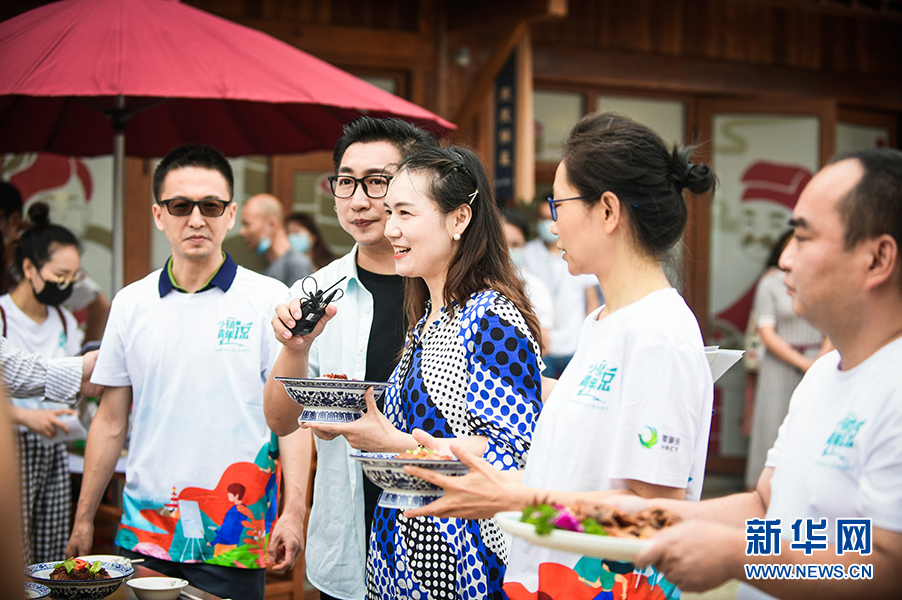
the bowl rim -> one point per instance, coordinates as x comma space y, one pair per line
137, 580
354, 383
37, 587
122, 560
388, 459
118, 577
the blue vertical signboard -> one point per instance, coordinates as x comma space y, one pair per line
505, 131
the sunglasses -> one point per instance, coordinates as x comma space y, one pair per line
179, 207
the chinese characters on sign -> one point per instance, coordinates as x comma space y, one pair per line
852, 536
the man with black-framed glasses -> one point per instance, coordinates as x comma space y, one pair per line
185, 354
364, 342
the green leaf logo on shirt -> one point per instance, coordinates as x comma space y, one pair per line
652, 438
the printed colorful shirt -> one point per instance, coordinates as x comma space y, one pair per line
198, 443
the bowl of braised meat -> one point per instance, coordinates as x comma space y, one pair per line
77, 579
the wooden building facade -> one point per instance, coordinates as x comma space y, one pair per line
839, 60
836, 60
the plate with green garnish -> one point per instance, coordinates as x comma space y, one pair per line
554, 526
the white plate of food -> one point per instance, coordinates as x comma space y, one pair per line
331, 399
627, 534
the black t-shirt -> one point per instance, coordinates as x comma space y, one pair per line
382, 351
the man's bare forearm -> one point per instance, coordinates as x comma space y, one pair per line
281, 411
106, 438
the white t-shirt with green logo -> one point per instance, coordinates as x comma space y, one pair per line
838, 454
196, 364
634, 403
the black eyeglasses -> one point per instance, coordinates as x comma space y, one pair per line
180, 207
552, 202
374, 186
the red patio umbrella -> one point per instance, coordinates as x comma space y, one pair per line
77, 77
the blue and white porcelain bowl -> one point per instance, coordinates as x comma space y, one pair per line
400, 489
80, 590
36, 590
331, 400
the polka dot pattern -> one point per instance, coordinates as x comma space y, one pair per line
473, 373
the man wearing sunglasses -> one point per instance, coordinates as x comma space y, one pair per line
363, 341
185, 354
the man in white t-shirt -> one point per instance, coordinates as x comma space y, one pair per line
826, 518
185, 356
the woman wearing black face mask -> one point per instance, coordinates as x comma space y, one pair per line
47, 258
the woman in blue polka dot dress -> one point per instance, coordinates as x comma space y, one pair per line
470, 371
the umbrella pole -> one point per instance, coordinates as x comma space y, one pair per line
118, 117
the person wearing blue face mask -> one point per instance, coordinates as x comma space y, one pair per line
515, 233
263, 230
305, 236
574, 296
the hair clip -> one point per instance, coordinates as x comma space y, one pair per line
687, 171
473, 196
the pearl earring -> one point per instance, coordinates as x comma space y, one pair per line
456, 237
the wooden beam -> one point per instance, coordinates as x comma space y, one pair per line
577, 67
498, 14
525, 151
137, 219
857, 10
349, 45
486, 79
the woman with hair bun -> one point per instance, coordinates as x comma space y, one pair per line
631, 412
47, 258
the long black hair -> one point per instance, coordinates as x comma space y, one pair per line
481, 260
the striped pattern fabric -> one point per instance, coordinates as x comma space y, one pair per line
28, 375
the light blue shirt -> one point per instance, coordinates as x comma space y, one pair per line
336, 535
